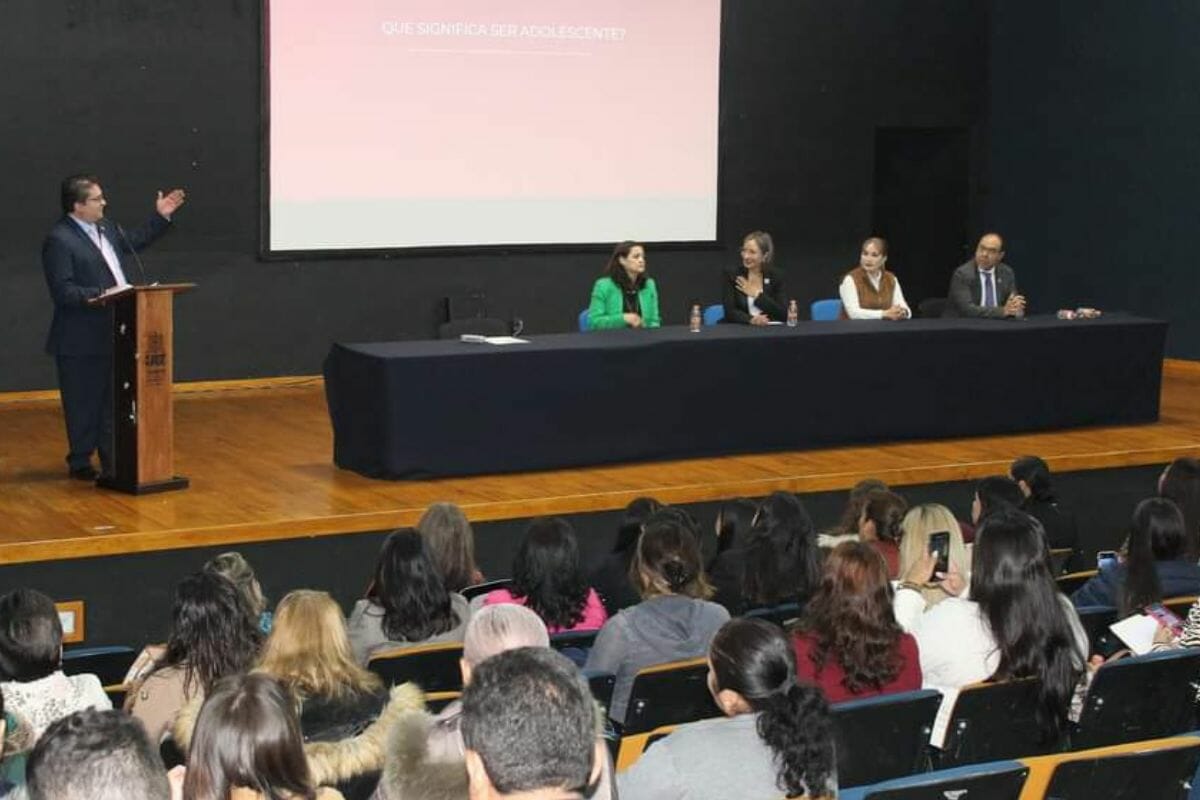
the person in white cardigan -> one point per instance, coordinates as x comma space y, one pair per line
1010, 622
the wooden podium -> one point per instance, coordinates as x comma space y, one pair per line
143, 450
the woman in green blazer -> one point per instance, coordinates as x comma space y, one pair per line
624, 297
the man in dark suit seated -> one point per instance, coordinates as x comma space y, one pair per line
83, 257
985, 286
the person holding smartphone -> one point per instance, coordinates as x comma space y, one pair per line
922, 526
1157, 563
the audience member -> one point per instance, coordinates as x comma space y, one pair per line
451, 544
1180, 482
672, 622
732, 525
1156, 563
847, 527
991, 493
309, 652
214, 633
247, 745
868, 291
880, 526
426, 754
529, 728
16, 740
1032, 476
624, 296
848, 643
778, 563
407, 603
753, 294
96, 755
548, 578
31, 676
611, 578
919, 523
236, 569
1016, 624
775, 739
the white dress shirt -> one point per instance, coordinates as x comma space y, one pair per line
92, 231
849, 294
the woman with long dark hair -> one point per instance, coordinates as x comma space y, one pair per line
547, 579
1156, 563
778, 563
673, 621
611, 578
214, 632
1180, 482
624, 296
247, 746
407, 603
1032, 475
848, 642
776, 737
1016, 624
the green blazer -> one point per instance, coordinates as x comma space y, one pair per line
607, 307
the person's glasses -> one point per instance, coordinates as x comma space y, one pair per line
98, 199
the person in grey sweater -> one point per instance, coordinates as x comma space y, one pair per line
775, 739
407, 603
672, 622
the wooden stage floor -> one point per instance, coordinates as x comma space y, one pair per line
259, 456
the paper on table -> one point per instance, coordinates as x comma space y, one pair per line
475, 338
1137, 632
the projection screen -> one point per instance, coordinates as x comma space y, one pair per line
448, 123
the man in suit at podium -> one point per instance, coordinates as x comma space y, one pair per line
985, 286
83, 256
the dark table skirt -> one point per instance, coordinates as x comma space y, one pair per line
437, 408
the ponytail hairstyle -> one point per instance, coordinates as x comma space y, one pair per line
667, 558
783, 563
754, 658
1017, 595
1156, 533
886, 509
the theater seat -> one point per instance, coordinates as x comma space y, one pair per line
996, 780
669, 694
1095, 621
583, 321
110, 664
433, 667
1138, 698
471, 592
1180, 606
994, 721
885, 737
1161, 769
632, 746
1067, 584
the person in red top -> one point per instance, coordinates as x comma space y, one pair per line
848, 643
880, 526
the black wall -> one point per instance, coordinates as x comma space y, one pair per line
151, 95
1095, 120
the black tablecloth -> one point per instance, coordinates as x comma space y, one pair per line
434, 408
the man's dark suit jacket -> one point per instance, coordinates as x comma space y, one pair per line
965, 291
771, 302
75, 272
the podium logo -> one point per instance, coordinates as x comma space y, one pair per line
155, 358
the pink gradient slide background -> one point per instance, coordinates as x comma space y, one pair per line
383, 110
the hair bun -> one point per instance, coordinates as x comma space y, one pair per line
676, 574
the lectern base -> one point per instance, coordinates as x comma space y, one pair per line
117, 485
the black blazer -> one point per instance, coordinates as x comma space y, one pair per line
965, 290
771, 302
76, 272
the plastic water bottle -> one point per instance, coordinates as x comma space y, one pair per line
793, 317
695, 319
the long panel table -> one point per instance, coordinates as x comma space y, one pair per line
421, 409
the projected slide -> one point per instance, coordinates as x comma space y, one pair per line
426, 123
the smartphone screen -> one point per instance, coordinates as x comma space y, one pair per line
1165, 617
939, 545
1106, 559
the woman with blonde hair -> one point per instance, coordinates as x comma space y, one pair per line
452, 545
309, 652
918, 524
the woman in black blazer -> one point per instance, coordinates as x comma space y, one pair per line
753, 293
